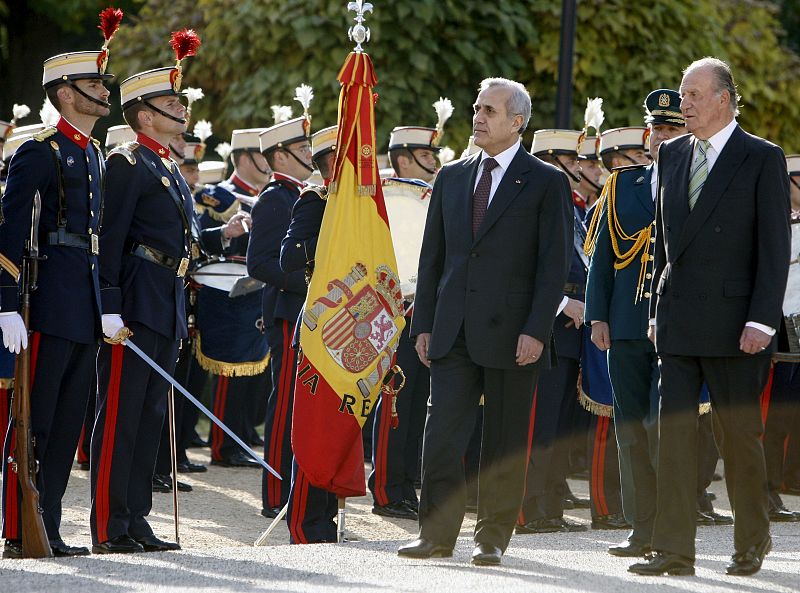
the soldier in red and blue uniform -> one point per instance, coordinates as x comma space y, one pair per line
288, 153
146, 246
58, 174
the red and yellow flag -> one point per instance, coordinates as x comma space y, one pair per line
353, 315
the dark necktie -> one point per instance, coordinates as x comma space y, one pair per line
480, 199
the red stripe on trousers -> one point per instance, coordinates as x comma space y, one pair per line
281, 409
220, 400
766, 397
598, 466
5, 410
81, 456
12, 487
521, 519
107, 447
300, 496
381, 458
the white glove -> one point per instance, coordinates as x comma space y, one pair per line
111, 325
15, 334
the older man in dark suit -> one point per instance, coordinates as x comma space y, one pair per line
491, 276
721, 262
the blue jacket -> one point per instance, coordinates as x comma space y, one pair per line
141, 209
67, 301
284, 292
610, 293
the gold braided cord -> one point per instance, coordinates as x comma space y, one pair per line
642, 239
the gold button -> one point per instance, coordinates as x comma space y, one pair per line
93, 266
90, 231
647, 295
90, 177
91, 213
90, 195
652, 239
165, 181
648, 276
651, 258
298, 245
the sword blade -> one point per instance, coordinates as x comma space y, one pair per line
155, 366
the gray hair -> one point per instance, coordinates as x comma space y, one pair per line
723, 78
519, 101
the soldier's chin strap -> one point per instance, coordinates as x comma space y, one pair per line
793, 182
85, 95
570, 174
596, 186
252, 160
299, 160
180, 120
625, 156
420, 165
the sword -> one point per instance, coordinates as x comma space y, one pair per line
154, 365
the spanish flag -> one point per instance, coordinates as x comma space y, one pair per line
353, 315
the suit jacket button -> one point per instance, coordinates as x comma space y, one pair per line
473, 254
647, 295
717, 229
648, 276
669, 228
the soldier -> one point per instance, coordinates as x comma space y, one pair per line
58, 177
591, 170
311, 509
146, 247
396, 451
288, 155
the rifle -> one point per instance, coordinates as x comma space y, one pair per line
34, 536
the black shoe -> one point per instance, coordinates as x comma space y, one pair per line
746, 563
712, 518
783, 515
122, 544
577, 503
238, 459
62, 550
84, 466
614, 521
395, 510
422, 548
555, 525
151, 543
187, 467
660, 563
256, 440
270, 513
414, 504
12, 549
197, 442
630, 549
486, 555
161, 483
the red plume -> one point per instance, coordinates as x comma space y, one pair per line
185, 43
110, 19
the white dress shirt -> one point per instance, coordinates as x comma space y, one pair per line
503, 162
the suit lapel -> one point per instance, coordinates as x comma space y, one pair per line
464, 178
510, 186
716, 183
676, 211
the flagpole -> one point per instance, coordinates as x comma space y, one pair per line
340, 527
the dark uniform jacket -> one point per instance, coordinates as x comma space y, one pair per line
67, 301
506, 281
569, 339
284, 292
610, 293
726, 262
141, 209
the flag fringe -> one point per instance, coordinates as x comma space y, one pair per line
7, 383
594, 407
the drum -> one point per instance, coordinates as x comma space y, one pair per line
791, 299
221, 274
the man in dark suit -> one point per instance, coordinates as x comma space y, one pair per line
721, 262
491, 274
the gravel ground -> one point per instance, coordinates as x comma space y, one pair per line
220, 520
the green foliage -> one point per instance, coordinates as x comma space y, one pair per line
255, 52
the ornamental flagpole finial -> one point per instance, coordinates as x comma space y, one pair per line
359, 33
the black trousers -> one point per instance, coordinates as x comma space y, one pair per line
396, 452
233, 404
131, 404
278, 425
85, 441
311, 512
783, 418
735, 384
552, 421
633, 368
605, 493
456, 387
61, 372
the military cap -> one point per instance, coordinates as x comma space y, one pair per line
324, 141
663, 106
13, 143
623, 139
283, 134
212, 172
555, 142
793, 164
589, 148
422, 137
246, 139
194, 149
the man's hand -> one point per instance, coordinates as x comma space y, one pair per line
237, 226
423, 341
651, 333
15, 334
601, 335
753, 340
529, 349
574, 310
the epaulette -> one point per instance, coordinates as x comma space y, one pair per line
125, 150
320, 190
629, 167
45, 134
96, 143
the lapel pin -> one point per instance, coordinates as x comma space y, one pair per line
165, 181
517, 181
640, 180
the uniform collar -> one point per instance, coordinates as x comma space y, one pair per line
157, 148
283, 177
578, 199
242, 184
73, 133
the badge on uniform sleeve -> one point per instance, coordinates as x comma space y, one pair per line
70, 161
165, 181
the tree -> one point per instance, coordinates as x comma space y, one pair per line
255, 52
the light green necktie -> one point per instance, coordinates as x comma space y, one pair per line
699, 172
